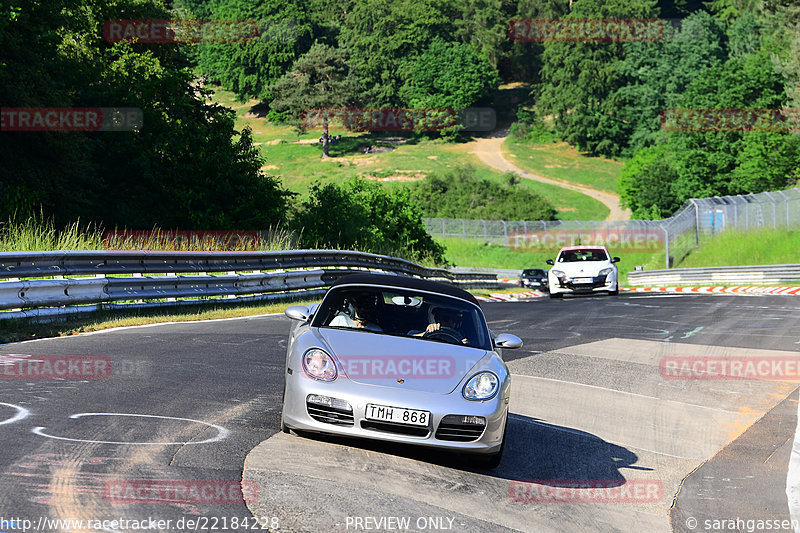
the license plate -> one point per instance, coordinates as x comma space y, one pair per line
397, 415
583, 280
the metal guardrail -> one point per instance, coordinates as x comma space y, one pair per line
755, 275
45, 284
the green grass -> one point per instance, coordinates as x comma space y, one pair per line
733, 248
562, 162
393, 163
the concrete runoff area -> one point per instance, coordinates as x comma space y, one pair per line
632, 429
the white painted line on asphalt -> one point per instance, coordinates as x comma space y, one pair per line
222, 433
627, 393
22, 414
793, 477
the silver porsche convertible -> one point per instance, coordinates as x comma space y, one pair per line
400, 359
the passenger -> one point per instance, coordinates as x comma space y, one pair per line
362, 316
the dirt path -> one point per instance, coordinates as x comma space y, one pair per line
489, 151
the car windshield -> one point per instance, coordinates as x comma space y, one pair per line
404, 313
533, 272
574, 256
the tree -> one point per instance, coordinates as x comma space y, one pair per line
249, 67
319, 80
459, 193
186, 167
449, 75
384, 40
360, 214
659, 72
580, 79
645, 183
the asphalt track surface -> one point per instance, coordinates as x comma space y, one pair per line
198, 405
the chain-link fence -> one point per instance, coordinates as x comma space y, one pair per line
696, 220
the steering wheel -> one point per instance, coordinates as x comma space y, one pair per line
445, 334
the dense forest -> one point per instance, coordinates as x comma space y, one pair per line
189, 168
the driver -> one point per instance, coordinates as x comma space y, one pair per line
444, 318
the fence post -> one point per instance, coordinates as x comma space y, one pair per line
505, 232
786, 208
485, 235
443, 235
463, 230
772, 199
696, 224
666, 245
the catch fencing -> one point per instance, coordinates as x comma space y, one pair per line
51, 284
697, 220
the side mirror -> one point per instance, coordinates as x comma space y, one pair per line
615, 259
298, 312
550, 262
507, 340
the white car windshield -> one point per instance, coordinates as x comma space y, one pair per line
405, 313
574, 256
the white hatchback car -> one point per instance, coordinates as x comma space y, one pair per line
582, 269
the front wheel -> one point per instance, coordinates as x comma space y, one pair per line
554, 295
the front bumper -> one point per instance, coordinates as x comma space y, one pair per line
296, 414
591, 284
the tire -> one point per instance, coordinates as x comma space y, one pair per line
613, 293
554, 295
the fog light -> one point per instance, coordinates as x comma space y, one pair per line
327, 401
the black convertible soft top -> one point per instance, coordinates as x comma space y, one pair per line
405, 282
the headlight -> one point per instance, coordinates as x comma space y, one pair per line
557, 273
319, 365
482, 386
606, 271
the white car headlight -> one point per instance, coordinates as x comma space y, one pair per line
606, 271
557, 273
319, 365
481, 386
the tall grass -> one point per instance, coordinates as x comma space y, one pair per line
37, 234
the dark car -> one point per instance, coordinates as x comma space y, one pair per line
535, 278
